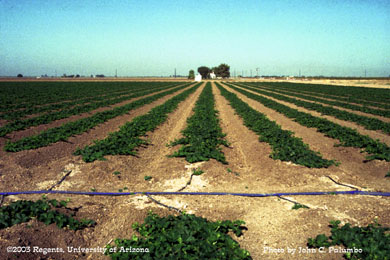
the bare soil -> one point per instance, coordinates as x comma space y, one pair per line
271, 222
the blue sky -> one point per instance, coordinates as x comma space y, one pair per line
152, 38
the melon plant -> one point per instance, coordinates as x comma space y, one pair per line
185, 236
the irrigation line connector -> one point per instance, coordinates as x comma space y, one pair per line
188, 183
295, 203
2, 200
62, 179
342, 184
162, 204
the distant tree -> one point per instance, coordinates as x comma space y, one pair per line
77, 76
191, 74
222, 71
20, 75
204, 71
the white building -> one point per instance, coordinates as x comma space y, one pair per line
212, 75
198, 77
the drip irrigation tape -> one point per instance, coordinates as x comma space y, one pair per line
354, 192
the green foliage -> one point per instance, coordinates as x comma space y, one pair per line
373, 97
128, 138
368, 122
204, 71
191, 74
197, 172
223, 71
297, 93
374, 240
348, 137
64, 110
182, 237
285, 146
147, 178
63, 132
299, 206
387, 174
203, 135
116, 173
44, 210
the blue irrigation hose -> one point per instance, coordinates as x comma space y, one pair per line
354, 192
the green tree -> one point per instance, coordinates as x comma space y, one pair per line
191, 74
222, 71
204, 71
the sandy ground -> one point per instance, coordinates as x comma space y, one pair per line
271, 222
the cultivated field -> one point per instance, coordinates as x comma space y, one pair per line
178, 136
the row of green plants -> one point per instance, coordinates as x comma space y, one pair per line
128, 138
371, 242
348, 137
373, 111
357, 94
203, 136
11, 115
43, 210
63, 132
22, 124
369, 123
342, 93
185, 236
22, 95
285, 146
92, 98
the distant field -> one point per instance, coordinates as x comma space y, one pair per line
88, 79
153, 134
371, 83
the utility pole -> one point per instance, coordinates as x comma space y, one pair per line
116, 73
175, 72
251, 73
365, 73
257, 71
